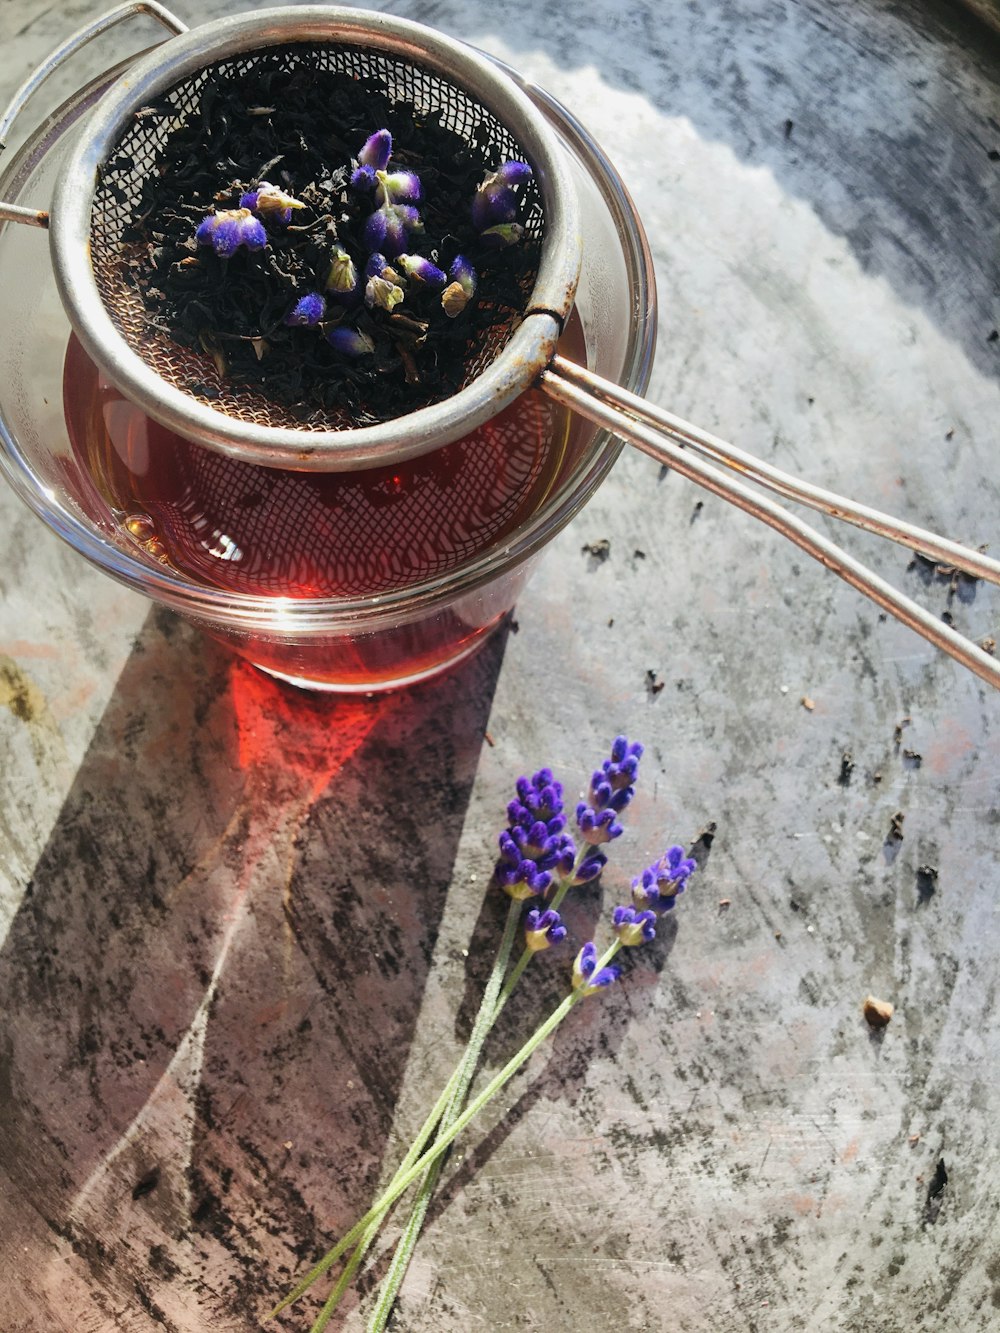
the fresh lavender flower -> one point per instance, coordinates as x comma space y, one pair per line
308, 311
349, 341
271, 203
634, 927
520, 879
658, 886
597, 826
538, 797
543, 929
621, 770
462, 287
590, 868
422, 270
585, 976
535, 842
229, 229
611, 791
343, 276
502, 235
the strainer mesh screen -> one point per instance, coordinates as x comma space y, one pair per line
134, 160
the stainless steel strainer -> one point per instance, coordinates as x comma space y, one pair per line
102, 181
94, 199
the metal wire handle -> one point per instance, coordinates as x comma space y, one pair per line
665, 437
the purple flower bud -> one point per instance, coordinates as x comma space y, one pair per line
465, 275
512, 173
308, 311
226, 231
634, 927
622, 768
388, 227
422, 270
501, 236
597, 826
363, 180
590, 868
658, 886
526, 881
543, 929
585, 977
397, 187
376, 151
493, 204
349, 341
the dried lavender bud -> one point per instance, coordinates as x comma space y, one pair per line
389, 227
376, 151
397, 187
308, 311
271, 203
226, 231
499, 237
382, 294
343, 276
493, 204
349, 341
462, 288
422, 270
465, 275
510, 173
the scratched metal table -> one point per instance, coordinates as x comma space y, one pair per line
242, 929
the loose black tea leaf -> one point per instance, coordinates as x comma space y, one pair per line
301, 129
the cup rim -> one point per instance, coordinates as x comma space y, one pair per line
248, 611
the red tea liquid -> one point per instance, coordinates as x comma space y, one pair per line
269, 532
266, 531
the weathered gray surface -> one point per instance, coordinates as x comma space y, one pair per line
235, 918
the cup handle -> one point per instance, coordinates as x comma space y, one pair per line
12, 212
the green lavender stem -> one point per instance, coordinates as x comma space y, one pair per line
485, 1018
427, 1128
449, 1102
406, 1178
417, 1146
407, 1242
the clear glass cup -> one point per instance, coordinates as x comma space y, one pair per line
348, 644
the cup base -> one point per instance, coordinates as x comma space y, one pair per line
369, 687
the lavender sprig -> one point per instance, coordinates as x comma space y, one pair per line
534, 847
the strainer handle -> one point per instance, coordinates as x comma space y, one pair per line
61, 54
663, 436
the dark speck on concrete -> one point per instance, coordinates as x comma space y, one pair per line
935, 1192
927, 878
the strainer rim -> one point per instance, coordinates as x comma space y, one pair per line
529, 349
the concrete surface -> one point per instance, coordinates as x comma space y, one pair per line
243, 928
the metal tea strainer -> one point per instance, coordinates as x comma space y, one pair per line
101, 183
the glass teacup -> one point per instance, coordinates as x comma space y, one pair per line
366, 636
